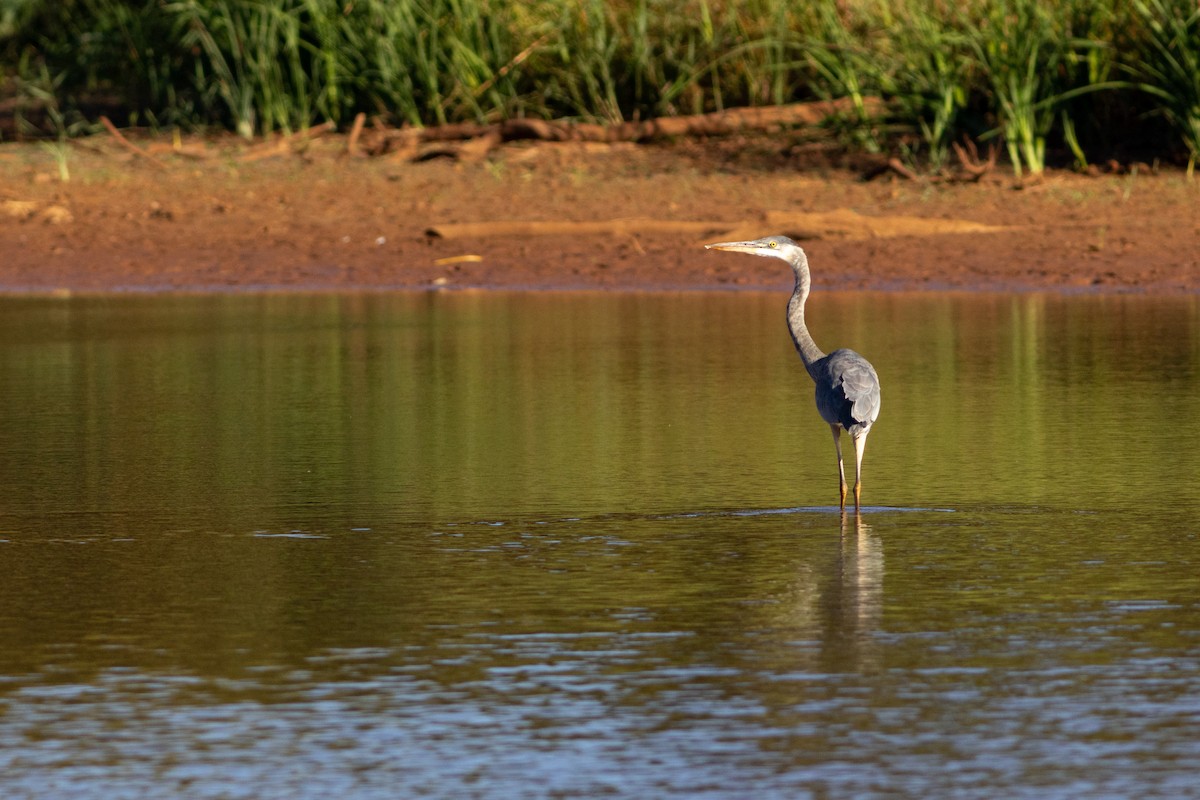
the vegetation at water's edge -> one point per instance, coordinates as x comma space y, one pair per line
1087, 78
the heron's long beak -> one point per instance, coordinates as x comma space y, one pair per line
737, 247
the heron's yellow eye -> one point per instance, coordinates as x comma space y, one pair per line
772, 244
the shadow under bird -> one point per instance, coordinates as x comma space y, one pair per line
847, 386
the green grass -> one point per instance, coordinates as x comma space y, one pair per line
1168, 65
1074, 78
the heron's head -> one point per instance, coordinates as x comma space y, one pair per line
768, 246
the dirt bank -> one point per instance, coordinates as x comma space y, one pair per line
216, 216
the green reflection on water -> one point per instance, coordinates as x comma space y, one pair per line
456, 406
195, 425
289, 495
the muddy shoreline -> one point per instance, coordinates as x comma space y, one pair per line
613, 217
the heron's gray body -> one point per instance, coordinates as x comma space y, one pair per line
847, 391
847, 388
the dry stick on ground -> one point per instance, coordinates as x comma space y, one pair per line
890, 166
718, 123
355, 132
836, 224
116, 134
284, 144
969, 159
897, 166
733, 120
474, 230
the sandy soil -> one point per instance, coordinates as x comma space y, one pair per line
216, 216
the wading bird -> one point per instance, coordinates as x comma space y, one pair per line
847, 386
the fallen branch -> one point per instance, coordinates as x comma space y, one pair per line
116, 134
355, 132
312, 133
285, 144
841, 223
971, 164
279, 147
614, 227
845, 223
734, 120
897, 166
892, 165
717, 123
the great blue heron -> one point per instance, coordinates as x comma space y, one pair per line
847, 386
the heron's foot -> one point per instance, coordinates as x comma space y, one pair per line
842, 486
857, 495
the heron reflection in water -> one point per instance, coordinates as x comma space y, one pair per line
847, 386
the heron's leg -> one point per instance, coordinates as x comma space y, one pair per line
837, 444
860, 444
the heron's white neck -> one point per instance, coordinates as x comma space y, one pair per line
810, 354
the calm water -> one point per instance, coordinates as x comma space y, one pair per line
459, 546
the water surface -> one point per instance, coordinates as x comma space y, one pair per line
460, 545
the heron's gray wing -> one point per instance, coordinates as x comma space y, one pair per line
851, 390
